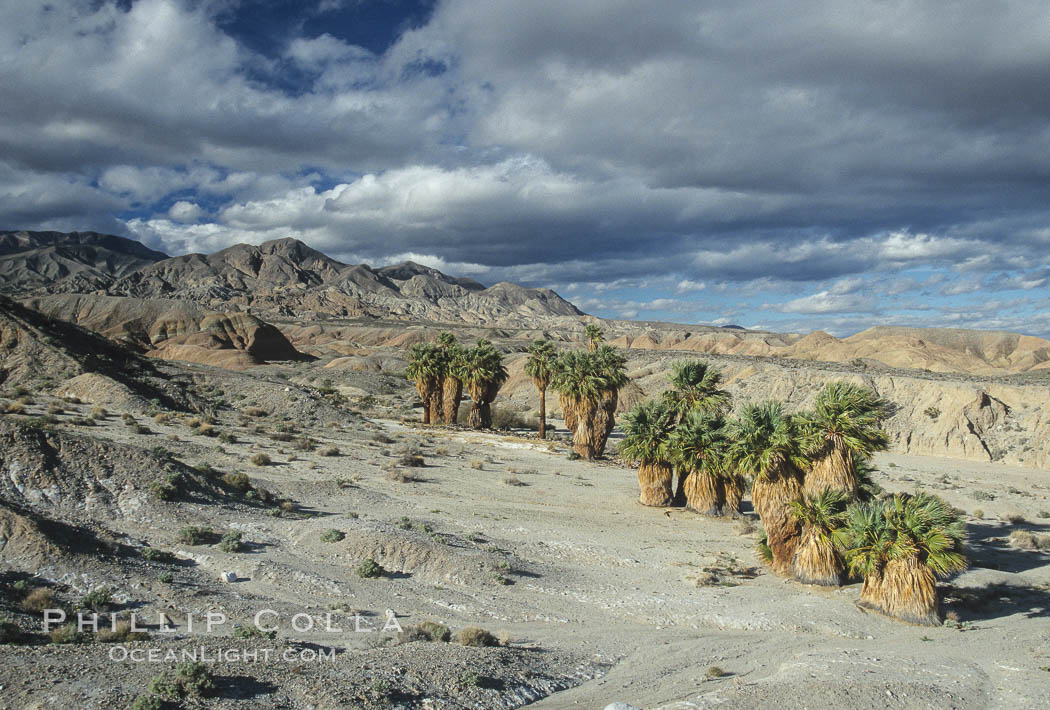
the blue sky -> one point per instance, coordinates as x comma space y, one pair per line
789, 165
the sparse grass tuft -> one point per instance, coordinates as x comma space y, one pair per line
38, 600
475, 636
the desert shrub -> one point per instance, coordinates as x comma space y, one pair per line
978, 513
128, 418
411, 461
207, 430
330, 451
55, 408
232, 542
195, 679
281, 436
514, 481
162, 418
304, 444
165, 687
227, 438
99, 412
932, 412
714, 672
425, 631
67, 633
287, 506
475, 636
382, 438
38, 600
82, 421
253, 632
261, 460
398, 475
256, 412
982, 495
332, 535
141, 429
573, 456
370, 569
477, 464
470, 679
166, 577
148, 702
1026, 540
194, 535
166, 489
1043, 514
9, 631
100, 599
237, 480
1014, 518
122, 632
15, 408
193, 423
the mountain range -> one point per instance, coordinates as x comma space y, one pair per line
283, 276
283, 300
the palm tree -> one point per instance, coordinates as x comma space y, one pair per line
594, 335
817, 559
424, 368
580, 384
843, 427
540, 366
764, 444
451, 382
646, 432
611, 365
695, 386
483, 374
696, 448
900, 546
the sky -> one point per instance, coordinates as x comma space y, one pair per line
792, 165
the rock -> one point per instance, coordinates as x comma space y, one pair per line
228, 577
620, 706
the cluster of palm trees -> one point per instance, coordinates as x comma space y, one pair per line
588, 384
809, 475
442, 370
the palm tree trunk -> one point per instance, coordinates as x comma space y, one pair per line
772, 498
543, 413
452, 393
733, 489
834, 469
568, 412
477, 397
423, 390
703, 493
906, 590
435, 404
816, 560
604, 420
583, 438
654, 482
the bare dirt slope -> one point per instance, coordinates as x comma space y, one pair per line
597, 598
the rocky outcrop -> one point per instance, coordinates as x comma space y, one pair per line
175, 330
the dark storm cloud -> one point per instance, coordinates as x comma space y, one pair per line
597, 141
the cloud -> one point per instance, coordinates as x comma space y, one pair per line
837, 163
